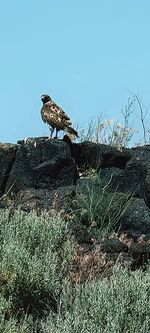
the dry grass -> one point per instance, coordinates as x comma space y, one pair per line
90, 264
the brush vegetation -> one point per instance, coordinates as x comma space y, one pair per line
36, 254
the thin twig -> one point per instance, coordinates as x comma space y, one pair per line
104, 188
142, 117
6, 194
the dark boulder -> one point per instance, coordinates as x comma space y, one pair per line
130, 180
141, 152
140, 253
147, 186
58, 200
42, 164
7, 159
111, 245
136, 219
94, 155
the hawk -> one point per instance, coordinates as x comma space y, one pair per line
55, 117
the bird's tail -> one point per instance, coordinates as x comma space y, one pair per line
71, 130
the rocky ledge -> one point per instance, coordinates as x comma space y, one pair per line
44, 174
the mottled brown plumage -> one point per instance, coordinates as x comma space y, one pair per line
55, 117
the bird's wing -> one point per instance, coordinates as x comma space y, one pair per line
59, 110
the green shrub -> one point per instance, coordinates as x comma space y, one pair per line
36, 295
118, 305
13, 326
35, 253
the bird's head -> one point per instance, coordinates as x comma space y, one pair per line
45, 98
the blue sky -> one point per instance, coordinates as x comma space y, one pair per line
87, 54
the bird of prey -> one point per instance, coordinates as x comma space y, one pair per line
55, 117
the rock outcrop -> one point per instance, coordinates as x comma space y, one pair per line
31, 171
43, 174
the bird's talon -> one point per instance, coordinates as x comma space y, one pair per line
49, 138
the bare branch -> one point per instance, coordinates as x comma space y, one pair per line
9, 190
142, 116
